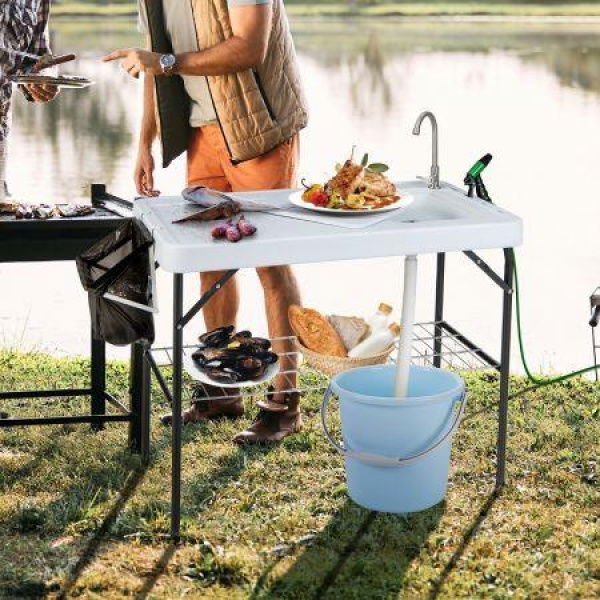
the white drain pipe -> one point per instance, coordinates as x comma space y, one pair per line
409, 301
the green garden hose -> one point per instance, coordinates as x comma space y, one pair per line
475, 183
537, 380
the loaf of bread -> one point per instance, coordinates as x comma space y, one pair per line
315, 332
352, 330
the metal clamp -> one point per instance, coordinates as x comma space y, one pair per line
379, 460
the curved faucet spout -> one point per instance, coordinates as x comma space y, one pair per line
434, 177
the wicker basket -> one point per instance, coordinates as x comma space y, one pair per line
332, 365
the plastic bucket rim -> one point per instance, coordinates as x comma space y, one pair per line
342, 392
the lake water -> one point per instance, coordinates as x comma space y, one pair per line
529, 94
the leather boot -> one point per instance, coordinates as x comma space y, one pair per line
275, 421
204, 407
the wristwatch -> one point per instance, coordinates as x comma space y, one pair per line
167, 63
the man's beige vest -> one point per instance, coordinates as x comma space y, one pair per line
257, 109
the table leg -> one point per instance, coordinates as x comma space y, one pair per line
509, 268
98, 403
176, 420
440, 274
139, 393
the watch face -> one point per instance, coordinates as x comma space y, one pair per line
167, 61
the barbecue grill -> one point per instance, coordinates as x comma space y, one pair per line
59, 239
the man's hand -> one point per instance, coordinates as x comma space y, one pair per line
136, 61
42, 93
144, 173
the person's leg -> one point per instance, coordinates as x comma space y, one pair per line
204, 168
280, 413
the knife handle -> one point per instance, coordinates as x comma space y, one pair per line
53, 62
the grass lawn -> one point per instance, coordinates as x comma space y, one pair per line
78, 519
360, 8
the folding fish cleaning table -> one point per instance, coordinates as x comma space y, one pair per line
437, 221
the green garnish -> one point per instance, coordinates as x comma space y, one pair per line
378, 167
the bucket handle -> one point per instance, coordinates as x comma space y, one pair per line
378, 460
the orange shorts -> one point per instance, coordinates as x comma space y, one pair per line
209, 164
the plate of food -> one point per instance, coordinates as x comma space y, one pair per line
354, 189
231, 360
61, 81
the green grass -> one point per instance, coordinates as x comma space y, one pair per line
78, 517
427, 8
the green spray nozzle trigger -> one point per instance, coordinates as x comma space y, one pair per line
480, 166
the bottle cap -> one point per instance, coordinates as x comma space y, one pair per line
395, 329
385, 308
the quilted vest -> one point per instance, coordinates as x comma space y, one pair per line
257, 109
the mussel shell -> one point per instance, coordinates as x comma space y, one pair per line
202, 355
217, 338
220, 363
223, 375
255, 344
269, 358
250, 367
240, 335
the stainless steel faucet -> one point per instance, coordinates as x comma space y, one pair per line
434, 176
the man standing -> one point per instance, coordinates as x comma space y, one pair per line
222, 82
23, 29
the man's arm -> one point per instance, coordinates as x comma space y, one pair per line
40, 46
144, 168
245, 49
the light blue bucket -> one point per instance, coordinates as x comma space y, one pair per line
396, 450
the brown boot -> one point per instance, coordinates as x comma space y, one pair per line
275, 421
204, 407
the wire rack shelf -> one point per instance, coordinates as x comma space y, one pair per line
432, 341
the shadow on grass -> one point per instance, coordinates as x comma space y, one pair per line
468, 535
91, 548
359, 555
198, 494
157, 571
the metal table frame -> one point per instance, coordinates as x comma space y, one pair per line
40, 246
442, 327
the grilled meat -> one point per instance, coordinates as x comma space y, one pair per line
24, 211
74, 210
346, 180
376, 184
8, 207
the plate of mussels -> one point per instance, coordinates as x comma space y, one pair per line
230, 359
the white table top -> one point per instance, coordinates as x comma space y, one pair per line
443, 220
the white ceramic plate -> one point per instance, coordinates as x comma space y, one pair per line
61, 81
296, 199
196, 373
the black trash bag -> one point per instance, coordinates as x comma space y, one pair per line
118, 274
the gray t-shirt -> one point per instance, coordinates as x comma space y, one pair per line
179, 24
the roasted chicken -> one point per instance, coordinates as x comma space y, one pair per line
377, 184
354, 179
346, 180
